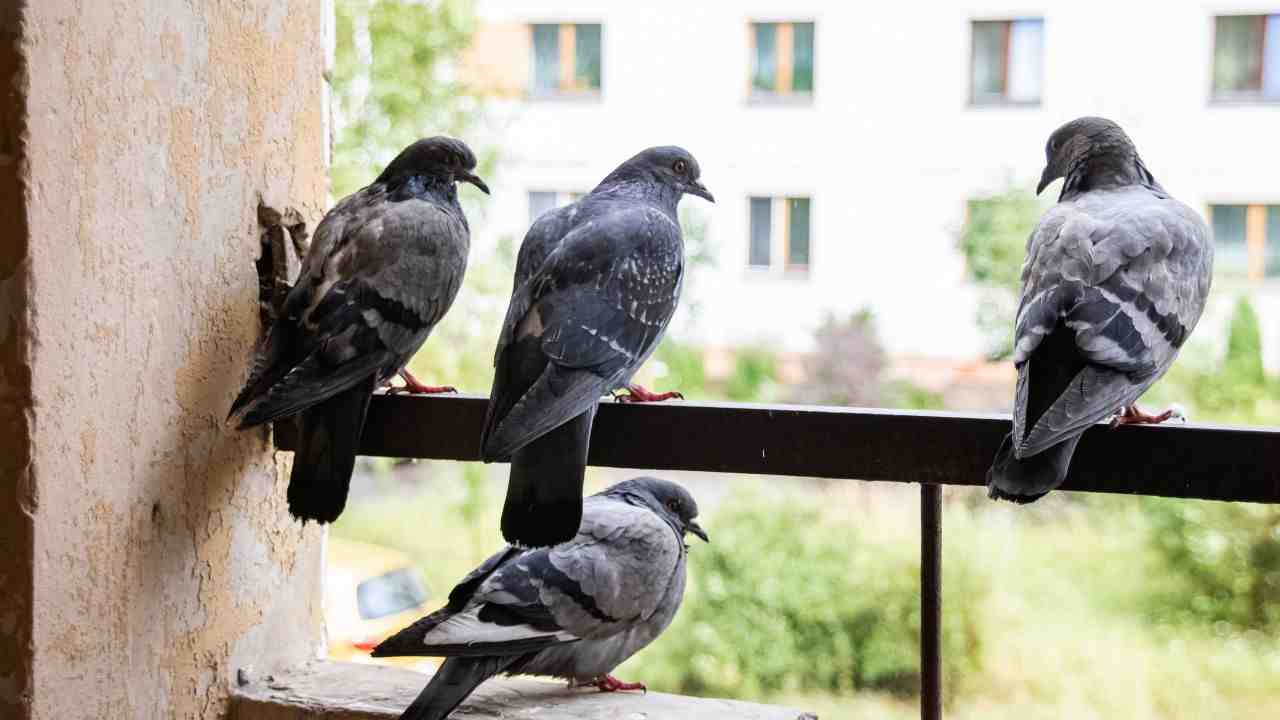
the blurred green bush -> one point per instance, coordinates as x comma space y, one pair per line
1219, 564
786, 599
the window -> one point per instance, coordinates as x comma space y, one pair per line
1246, 57
780, 234
781, 60
566, 60
540, 201
1246, 240
1007, 62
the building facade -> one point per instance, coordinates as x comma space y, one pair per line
844, 140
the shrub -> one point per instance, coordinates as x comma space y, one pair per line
786, 600
1220, 563
754, 372
846, 366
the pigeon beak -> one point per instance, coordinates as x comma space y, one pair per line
696, 188
1046, 177
464, 176
693, 527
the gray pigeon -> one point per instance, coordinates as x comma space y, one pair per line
383, 269
1114, 282
596, 283
575, 611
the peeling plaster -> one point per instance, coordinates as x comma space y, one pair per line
162, 556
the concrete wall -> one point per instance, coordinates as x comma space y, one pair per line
889, 150
158, 557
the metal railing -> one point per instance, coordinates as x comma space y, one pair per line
929, 448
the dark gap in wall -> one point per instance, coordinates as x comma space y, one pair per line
273, 264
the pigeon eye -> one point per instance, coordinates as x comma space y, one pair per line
680, 166
673, 505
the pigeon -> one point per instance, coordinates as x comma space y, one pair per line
1115, 280
595, 285
574, 611
384, 267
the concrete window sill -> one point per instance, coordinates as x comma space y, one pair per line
345, 691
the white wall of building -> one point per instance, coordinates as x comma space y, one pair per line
889, 150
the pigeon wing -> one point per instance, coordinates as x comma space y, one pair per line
623, 560
1112, 287
379, 276
592, 314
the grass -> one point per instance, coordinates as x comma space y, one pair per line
1064, 632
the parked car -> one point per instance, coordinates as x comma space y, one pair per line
370, 592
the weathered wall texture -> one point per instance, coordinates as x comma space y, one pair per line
15, 382
164, 558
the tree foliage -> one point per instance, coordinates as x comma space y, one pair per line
993, 243
392, 81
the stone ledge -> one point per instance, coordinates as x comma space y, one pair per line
326, 690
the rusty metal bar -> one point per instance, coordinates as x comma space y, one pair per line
930, 602
1185, 461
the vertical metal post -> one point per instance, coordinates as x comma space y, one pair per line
930, 602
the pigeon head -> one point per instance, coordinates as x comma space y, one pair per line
669, 501
440, 157
1091, 152
668, 167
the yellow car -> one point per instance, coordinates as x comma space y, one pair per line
370, 592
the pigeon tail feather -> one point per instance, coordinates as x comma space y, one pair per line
328, 437
544, 492
453, 683
1028, 479
311, 383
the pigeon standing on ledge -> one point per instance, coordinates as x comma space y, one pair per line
1114, 282
596, 283
384, 266
573, 611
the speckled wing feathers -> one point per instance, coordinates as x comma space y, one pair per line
597, 307
378, 277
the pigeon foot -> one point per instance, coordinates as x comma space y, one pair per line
413, 387
637, 394
609, 683
1133, 416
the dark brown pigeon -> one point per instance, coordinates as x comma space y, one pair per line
1114, 282
383, 269
596, 283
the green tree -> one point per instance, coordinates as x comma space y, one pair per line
391, 81
1243, 361
993, 243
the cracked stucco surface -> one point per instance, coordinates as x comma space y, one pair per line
161, 554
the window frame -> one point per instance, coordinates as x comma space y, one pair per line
789, 97
1004, 101
562, 198
1257, 226
779, 236
560, 94
1249, 97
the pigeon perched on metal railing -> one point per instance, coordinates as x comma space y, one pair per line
1114, 282
596, 283
575, 611
384, 266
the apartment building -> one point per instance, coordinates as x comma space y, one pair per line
844, 140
